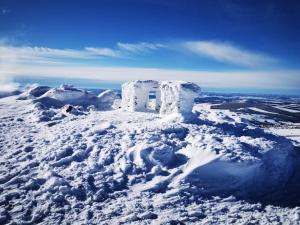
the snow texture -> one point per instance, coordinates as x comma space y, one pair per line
76, 165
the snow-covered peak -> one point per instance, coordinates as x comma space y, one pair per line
34, 91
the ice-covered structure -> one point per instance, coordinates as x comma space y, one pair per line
171, 96
178, 96
135, 95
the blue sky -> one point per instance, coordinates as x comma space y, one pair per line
251, 44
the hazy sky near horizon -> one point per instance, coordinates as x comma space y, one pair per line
226, 44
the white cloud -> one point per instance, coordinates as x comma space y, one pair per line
104, 52
7, 64
39, 53
142, 47
49, 62
225, 52
240, 79
44, 54
7, 84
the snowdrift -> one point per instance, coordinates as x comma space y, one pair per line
67, 94
33, 91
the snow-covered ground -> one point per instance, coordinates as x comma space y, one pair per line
80, 165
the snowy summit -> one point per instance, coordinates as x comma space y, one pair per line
71, 156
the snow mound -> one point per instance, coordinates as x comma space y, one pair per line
107, 99
47, 97
33, 91
65, 93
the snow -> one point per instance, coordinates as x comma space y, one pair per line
289, 132
80, 165
107, 99
261, 110
65, 93
287, 109
44, 96
34, 91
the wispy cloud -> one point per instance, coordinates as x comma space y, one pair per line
40, 54
228, 53
139, 48
35, 53
104, 52
51, 62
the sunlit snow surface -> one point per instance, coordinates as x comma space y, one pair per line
87, 166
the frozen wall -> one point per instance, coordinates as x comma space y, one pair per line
171, 96
178, 96
135, 95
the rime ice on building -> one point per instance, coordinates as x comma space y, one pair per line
178, 96
171, 96
135, 95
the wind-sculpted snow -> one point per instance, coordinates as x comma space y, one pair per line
33, 92
79, 165
67, 94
